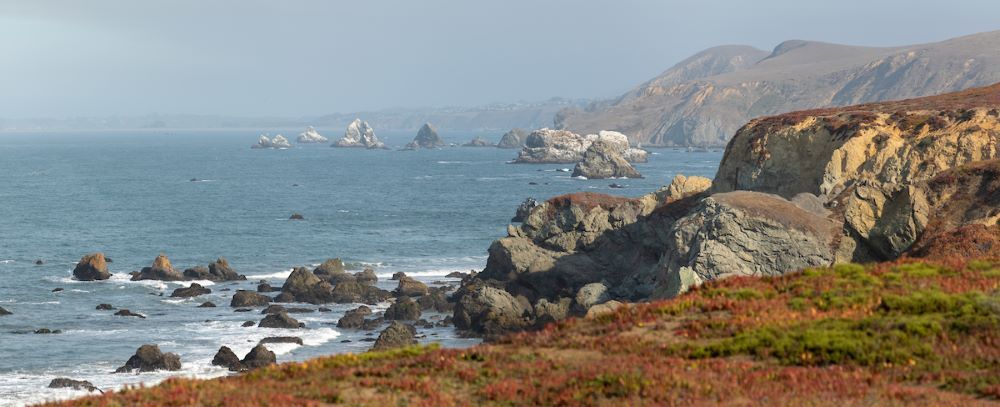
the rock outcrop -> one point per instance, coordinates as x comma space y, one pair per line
410, 287
259, 356
310, 136
280, 320
546, 146
868, 182
149, 358
514, 138
161, 269
524, 209
226, 358
427, 137
359, 134
601, 161
355, 318
193, 290
92, 267
404, 309
244, 298
278, 142
479, 142
67, 383
305, 286
397, 335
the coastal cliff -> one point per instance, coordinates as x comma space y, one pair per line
803, 189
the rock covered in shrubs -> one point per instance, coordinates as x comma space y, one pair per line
92, 267
149, 358
396, 335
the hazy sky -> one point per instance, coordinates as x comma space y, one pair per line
292, 58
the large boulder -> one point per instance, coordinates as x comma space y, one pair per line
149, 358
602, 161
259, 356
355, 292
514, 138
305, 286
244, 298
92, 267
410, 287
310, 136
193, 290
359, 134
366, 276
226, 358
161, 269
355, 318
218, 270
397, 335
280, 320
490, 311
404, 309
546, 146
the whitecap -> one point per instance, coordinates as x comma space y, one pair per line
6, 261
580, 177
280, 274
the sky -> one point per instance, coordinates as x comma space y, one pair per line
69, 58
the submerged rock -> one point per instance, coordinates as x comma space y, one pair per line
104, 307
514, 138
427, 137
67, 383
161, 269
310, 136
5, 312
601, 161
397, 335
92, 267
281, 339
149, 358
207, 304
359, 134
296, 216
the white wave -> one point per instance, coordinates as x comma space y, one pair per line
418, 274
580, 177
454, 162
343, 211
267, 276
6, 261
78, 291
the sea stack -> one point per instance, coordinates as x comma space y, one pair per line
513, 139
427, 137
601, 161
278, 142
359, 135
310, 136
547, 146
92, 267
479, 142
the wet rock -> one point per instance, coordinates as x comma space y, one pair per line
67, 383
281, 339
435, 299
355, 318
58, 289
149, 358
397, 335
305, 286
92, 267
248, 324
265, 288
404, 309
258, 357
354, 292
411, 287
397, 275
218, 270
372, 324
207, 304
330, 266
192, 290
44, 331
457, 274
280, 320
244, 298
161, 269
3, 312
124, 312
324, 309
284, 297
104, 307
226, 358
39, 262
242, 310
490, 311
296, 216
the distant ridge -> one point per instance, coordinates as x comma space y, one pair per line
704, 99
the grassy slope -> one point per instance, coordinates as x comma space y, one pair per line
847, 335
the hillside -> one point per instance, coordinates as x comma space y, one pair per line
694, 103
891, 334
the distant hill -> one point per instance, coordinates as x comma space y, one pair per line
704, 99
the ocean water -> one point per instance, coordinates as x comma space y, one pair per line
130, 195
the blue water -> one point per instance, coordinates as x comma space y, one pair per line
129, 195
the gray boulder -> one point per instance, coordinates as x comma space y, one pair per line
149, 358
601, 161
193, 290
397, 335
280, 320
244, 298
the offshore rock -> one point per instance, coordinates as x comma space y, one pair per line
92, 267
602, 161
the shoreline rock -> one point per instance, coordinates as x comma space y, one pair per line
149, 358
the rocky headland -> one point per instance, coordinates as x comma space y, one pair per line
805, 189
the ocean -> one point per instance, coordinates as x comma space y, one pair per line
199, 195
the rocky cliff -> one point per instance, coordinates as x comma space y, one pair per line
916, 177
705, 99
